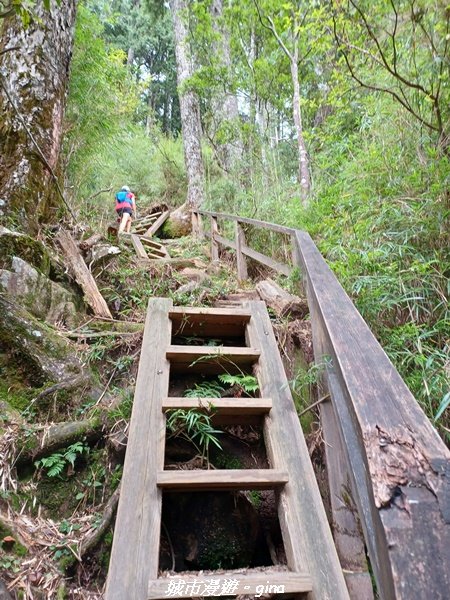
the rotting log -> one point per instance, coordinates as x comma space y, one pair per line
280, 301
48, 439
82, 275
400, 468
87, 244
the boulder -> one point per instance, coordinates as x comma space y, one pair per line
42, 297
178, 224
27, 248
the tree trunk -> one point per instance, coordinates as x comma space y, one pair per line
303, 160
189, 107
225, 107
33, 78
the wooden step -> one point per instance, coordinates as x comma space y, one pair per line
224, 411
147, 219
221, 479
151, 243
209, 322
224, 406
229, 584
211, 359
157, 224
137, 245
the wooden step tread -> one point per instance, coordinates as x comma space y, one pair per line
241, 314
221, 479
211, 359
185, 353
229, 584
157, 224
224, 406
149, 242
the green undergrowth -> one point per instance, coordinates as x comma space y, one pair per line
380, 215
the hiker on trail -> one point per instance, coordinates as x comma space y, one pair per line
125, 208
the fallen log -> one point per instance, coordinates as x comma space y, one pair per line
82, 275
47, 439
281, 302
87, 244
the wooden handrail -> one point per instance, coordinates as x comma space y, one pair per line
399, 467
260, 224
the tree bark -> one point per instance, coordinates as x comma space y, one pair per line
189, 106
303, 160
34, 79
225, 106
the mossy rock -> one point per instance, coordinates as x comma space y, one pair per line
25, 247
179, 224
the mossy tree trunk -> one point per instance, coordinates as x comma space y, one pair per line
34, 69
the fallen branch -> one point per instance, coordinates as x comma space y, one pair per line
90, 241
82, 275
314, 404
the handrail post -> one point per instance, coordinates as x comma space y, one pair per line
214, 242
241, 261
197, 225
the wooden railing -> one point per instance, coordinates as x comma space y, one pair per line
378, 441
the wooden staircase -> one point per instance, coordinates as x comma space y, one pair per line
313, 569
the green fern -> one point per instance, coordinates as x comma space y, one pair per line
248, 383
206, 389
55, 464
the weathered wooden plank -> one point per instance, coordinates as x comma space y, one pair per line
202, 313
214, 244
153, 244
400, 467
260, 224
134, 555
215, 323
221, 406
262, 258
225, 411
137, 244
229, 583
269, 262
210, 359
345, 522
82, 275
241, 263
157, 224
144, 222
306, 534
224, 241
222, 479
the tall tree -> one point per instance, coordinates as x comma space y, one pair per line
225, 105
295, 19
401, 48
34, 69
189, 105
